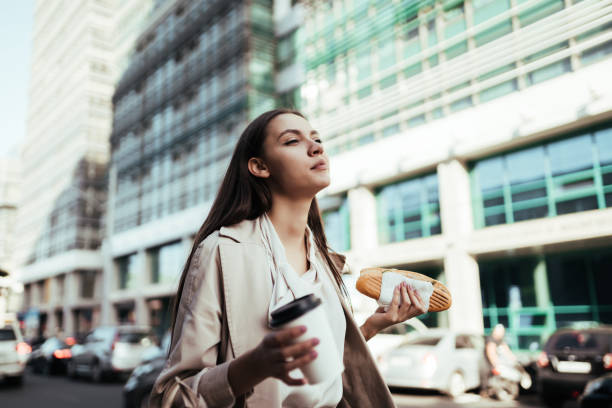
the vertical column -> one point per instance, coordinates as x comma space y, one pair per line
70, 290
52, 323
363, 224
461, 269
108, 266
141, 310
364, 238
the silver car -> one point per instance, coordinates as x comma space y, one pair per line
13, 352
438, 359
110, 351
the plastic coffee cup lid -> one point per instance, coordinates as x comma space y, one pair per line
293, 310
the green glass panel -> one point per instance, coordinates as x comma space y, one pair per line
486, 9
549, 72
388, 81
498, 90
596, 53
493, 33
541, 10
456, 50
364, 92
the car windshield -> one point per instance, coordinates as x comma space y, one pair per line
423, 341
132, 337
581, 341
7, 333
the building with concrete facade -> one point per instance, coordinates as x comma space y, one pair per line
9, 198
470, 141
76, 47
201, 70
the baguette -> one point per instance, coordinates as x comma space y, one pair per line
370, 281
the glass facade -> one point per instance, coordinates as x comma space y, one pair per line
530, 296
182, 103
337, 227
356, 51
129, 270
166, 263
409, 209
559, 177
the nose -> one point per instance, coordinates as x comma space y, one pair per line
315, 149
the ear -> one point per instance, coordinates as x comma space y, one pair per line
258, 168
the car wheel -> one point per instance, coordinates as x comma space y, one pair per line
96, 372
71, 369
456, 384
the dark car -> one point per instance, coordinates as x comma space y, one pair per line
110, 352
571, 358
598, 393
138, 387
51, 357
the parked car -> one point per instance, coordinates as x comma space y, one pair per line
138, 387
110, 351
597, 393
439, 359
392, 336
13, 352
570, 359
51, 357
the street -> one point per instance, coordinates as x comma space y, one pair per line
59, 391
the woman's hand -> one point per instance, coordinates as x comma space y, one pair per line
411, 306
274, 357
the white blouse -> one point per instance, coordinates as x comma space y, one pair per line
317, 279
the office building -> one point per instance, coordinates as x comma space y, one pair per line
471, 141
64, 159
201, 70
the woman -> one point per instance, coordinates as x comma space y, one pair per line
261, 246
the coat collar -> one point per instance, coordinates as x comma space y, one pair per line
245, 231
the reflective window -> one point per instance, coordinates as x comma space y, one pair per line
409, 209
564, 176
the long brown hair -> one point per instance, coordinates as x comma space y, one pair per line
242, 196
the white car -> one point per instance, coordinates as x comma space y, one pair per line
439, 359
13, 352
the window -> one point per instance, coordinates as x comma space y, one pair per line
88, 284
409, 209
337, 227
166, 263
564, 176
128, 272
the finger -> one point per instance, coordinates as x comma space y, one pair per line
396, 298
301, 361
299, 349
406, 299
415, 299
419, 301
284, 336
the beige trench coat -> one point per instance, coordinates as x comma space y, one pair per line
224, 308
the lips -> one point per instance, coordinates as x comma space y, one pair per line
321, 165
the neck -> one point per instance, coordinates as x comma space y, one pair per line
290, 217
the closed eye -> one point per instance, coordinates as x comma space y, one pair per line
290, 142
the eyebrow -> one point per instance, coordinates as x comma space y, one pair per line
296, 131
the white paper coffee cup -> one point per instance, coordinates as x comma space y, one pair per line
307, 311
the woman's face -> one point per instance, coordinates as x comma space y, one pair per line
294, 161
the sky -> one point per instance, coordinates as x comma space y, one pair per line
16, 17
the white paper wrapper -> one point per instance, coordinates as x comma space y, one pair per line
391, 279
